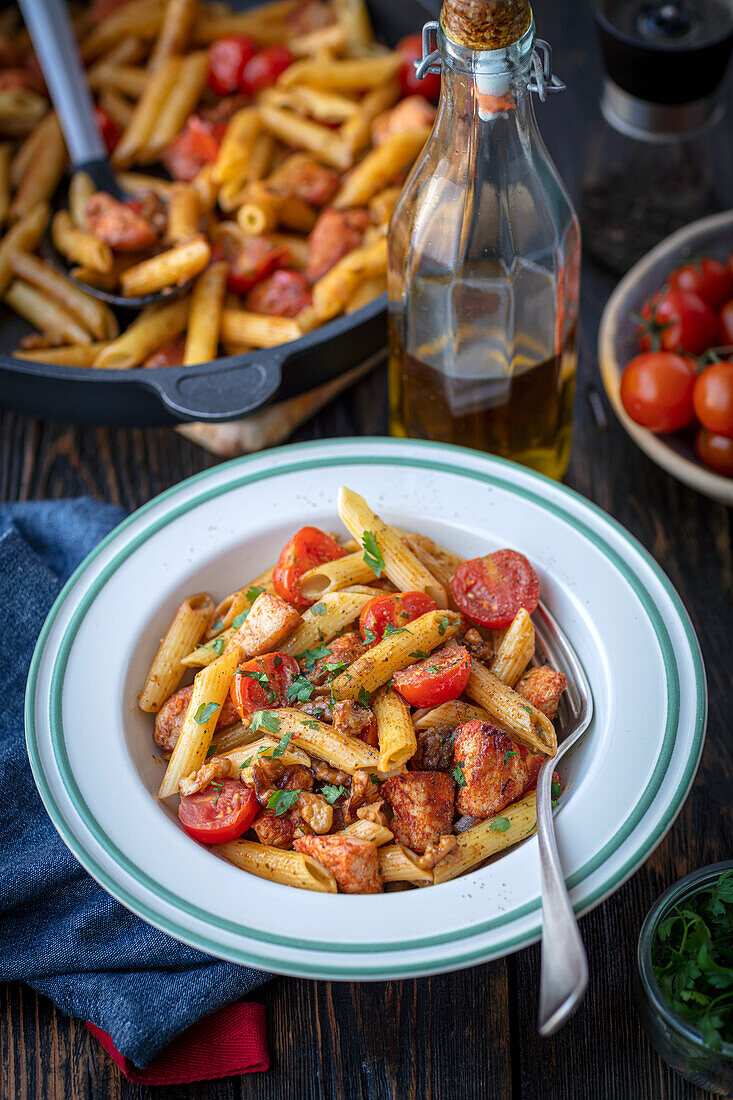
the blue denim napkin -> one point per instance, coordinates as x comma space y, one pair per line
60, 932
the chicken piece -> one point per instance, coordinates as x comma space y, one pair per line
170, 717
373, 812
282, 294
353, 862
268, 775
218, 768
306, 179
342, 652
169, 356
308, 16
354, 720
117, 224
423, 807
542, 687
268, 623
495, 773
434, 751
411, 113
363, 791
336, 233
278, 832
320, 708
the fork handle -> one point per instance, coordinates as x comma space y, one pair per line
55, 45
564, 970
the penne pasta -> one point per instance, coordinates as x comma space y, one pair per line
134, 141
287, 868
204, 319
117, 107
356, 131
92, 314
366, 292
189, 80
331, 576
348, 754
334, 290
47, 316
166, 671
242, 757
516, 650
25, 234
171, 268
151, 330
43, 174
259, 330
79, 245
368, 830
141, 18
183, 212
454, 713
510, 711
484, 840
351, 75
239, 601
325, 620
175, 29
399, 864
207, 653
380, 166
81, 190
5, 160
397, 741
302, 133
71, 355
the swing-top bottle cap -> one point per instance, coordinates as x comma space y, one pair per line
485, 24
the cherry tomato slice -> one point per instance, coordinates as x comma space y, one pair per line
255, 262
262, 684
656, 390
491, 590
725, 324
395, 611
196, 145
439, 678
533, 761
411, 50
708, 278
308, 548
108, 128
282, 294
227, 59
677, 320
262, 70
220, 813
712, 398
716, 451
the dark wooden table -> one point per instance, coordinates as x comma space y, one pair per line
471, 1034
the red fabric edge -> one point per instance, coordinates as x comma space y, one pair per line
230, 1042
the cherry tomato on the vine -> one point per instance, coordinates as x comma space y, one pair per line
411, 50
712, 398
656, 390
709, 279
716, 451
677, 320
227, 59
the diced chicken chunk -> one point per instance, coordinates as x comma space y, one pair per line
353, 862
495, 773
117, 224
218, 768
542, 687
336, 233
278, 832
169, 719
423, 807
268, 623
411, 113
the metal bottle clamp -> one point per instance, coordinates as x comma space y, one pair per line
542, 81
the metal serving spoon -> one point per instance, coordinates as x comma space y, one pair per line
564, 972
55, 45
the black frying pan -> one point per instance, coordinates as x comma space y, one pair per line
225, 389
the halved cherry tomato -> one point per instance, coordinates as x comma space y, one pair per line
22, 77
264, 68
708, 278
108, 128
491, 590
282, 294
262, 684
170, 355
725, 324
712, 398
397, 611
255, 262
716, 451
227, 59
306, 549
196, 145
439, 678
411, 50
656, 390
677, 320
533, 761
220, 813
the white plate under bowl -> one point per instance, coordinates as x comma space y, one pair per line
93, 757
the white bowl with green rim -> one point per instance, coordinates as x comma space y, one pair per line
97, 769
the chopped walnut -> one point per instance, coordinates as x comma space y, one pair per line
435, 852
372, 812
218, 768
315, 812
326, 774
477, 647
363, 790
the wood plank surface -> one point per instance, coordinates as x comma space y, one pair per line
471, 1034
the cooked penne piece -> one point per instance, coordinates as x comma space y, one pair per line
246, 754
287, 868
334, 290
90, 312
394, 652
440, 563
20, 111
399, 864
368, 830
302, 133
264, 209
71, 355
171, 268
126, 79
43, 174
328, 107
260, 330
325, 620
184, 209
5, 159
134, 142
510, 711
25, 234
322, 41
141, 18
210, 689
189, 82
204, 319
484, 840
380, 166
454, 713
29, 150
397, 741
79, 245
233, 737
138, 183
383, 203
334, 575
239, 601
400, 564
516, 650
178, 21
184, 633
47, 316
236, 147
356, 131
154, 327
351, 75
354, 18
81, 189
366, 292
128, 51
348, 754
117, 107
207, 653
255, 24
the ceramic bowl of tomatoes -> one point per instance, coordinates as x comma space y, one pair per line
666, 355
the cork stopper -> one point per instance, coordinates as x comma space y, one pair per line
485, 24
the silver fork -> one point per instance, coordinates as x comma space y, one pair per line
564, 971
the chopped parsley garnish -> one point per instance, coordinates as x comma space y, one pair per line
211, 751
253, 592
282, 801
239, 619
372, 554
217, 645
364, 697
390, 628
556, 789
205, 712
528, 709
262, 680
374, 778
219, 787
266, 720
281, 746
419, 653
508, 755
369, 637
218, 625
334, 666
500, 824
311, 725
310, 656
300, 690
443, 624
319, 608
331, 793
458, 775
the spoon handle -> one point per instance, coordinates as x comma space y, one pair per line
564, 971
55, 45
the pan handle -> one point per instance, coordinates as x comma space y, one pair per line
213, 395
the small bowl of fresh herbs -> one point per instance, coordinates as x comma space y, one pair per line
684, 980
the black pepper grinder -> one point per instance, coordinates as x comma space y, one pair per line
660, 156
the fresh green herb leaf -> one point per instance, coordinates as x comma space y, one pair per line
211, 751
364, 697
266, 720
443, 624
218, 625
261, 679
311, 725
331, 793
281, 747
500, 824
300, 690
369, 637
239, 619
419, 653
219, 787
458, 775
310, 656
334, 666
319, 608
374, 778
528, 709
372, 554
556, 789
253, 592
282, 801
390, 629
205, 712
508, 755
217, 645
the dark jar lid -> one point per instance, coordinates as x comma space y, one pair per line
666, 51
